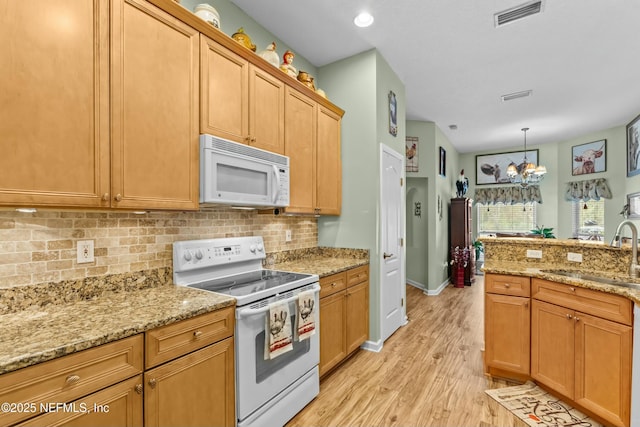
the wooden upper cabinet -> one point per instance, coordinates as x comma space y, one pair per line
239, 101
54, 103
155, 97
266, 111
224, 107
300, 146
329, 164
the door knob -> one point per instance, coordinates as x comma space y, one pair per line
386, 255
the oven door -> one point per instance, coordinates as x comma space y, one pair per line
259, 380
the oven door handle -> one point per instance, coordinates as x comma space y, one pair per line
244, 312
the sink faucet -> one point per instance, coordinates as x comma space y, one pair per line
634, 268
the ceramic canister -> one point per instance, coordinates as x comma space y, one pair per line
208, 13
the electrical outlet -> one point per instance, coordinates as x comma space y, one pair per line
85, 251
572, 256
287, 235
531, 253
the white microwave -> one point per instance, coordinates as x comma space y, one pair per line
240, 175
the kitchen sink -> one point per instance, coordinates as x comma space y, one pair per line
594, 278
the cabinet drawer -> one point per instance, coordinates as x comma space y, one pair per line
329, 285
596, 303
70, 377
171, 341
357, 275
507, 285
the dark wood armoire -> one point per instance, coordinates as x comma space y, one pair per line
460, 234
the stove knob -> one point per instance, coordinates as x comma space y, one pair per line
187, 256
260, 247
199, 254
252, 248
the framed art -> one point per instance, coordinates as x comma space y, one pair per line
393, 114
492, 168
589, 158
442, 169
633, 150
411, 153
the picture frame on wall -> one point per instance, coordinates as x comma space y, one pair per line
633, 147
393, 114
442, 169
411, 153
491, 169
633, 205
589, 158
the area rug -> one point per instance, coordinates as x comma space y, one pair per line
538, 408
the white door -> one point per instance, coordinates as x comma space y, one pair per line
392, 286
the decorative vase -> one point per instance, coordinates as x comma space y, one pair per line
208, 13
459, 279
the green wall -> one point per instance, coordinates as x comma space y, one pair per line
440, 191
555, 211
360, 85
232, 18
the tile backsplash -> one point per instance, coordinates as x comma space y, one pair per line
41, 247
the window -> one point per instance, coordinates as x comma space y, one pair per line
501, 218
587, 219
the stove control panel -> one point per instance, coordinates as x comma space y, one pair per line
191, 255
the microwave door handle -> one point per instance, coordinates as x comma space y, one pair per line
277, 175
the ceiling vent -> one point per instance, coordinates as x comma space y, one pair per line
518, 12
516, 95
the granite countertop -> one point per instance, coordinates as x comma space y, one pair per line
322, 261
522, 270
42, 333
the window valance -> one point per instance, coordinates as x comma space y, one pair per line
508, 195
590, 189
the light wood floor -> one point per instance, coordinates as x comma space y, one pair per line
429, 373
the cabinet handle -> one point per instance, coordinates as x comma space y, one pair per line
572, 289
253, 140
197, 334
577, 319
569, 317
105, 197
118, 197
333, 285
526, 304
72, 379
507, 285
152, 382
138, 388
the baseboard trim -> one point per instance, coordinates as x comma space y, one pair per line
435, 292
375, 346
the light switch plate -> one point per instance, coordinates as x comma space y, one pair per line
532, 253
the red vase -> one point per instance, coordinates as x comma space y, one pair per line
459, 276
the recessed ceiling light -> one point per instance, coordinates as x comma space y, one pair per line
364, 19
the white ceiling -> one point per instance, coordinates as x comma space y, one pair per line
581, 59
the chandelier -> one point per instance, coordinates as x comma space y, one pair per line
526, 172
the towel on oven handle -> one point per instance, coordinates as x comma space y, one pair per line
278, 330
306, 317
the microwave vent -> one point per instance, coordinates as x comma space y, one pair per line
245, 150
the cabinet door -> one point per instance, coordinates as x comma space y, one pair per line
225, 92
357, 315
507, 332
266, 111
54, 103
552, 346
300, 143
603, 367
332, 331
118, 405
195, 390
329, 165
155, 97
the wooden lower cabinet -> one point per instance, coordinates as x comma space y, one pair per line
194, 390
507, 326
344, 315
118, 405
585, 358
